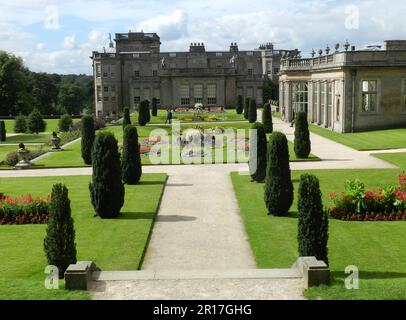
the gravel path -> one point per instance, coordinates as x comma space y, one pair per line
198, 225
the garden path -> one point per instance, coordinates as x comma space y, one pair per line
200, 248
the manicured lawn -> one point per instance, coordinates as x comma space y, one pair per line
376, 248
116, 244
398, 159
28, 138
229, 115
373, 140
4, 150
52, 125
71, 157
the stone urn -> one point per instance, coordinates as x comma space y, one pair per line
23, 155
56, 141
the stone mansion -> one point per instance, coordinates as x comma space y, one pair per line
135, 69
350, 91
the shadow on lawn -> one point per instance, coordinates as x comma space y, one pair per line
136, 216
338, 277
150, 183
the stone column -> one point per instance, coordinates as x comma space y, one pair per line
325, 104
310, 103
318, 84
288, 102
281, 95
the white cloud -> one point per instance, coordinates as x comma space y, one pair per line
69, 43
303, 24
40, 46
170, 27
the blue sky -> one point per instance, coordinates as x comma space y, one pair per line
59, 36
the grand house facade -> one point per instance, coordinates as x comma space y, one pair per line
135, 69
350, 91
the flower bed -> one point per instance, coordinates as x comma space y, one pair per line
24, 210
382, 204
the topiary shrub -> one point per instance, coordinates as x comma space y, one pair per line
36, 123
65, 123
240, 105
20, 124
247, 107
147, 111
267, 118
131, 159
88, 135
278, 184
59, 242
154, 107
302, 143
126, 118
143, 114
106, 189
12, 158
2, 131
252, 115
312, 220
257, 162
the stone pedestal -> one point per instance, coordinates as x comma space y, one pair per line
79, 276
24, 163
315, 272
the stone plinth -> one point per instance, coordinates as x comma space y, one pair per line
79, 276
315, 272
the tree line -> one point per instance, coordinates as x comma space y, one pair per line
22, 91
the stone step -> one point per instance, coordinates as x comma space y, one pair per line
292, 273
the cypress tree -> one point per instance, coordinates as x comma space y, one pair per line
247, 107
257, 162
106, 189
302, 143
312, 220
2, 131
154, 107
143, 113
147, 111
126, 118
131, 158
65, 123
252, 115
240, 105
20, 124
36, 123
59, 242
267, 118
278, 194
88, 134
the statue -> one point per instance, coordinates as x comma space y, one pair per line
23, 155
56, 142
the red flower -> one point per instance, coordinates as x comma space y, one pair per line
369, 195
402, 180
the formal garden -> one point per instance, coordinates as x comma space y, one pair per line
365, 210
107, 217
343, 217
211, 151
